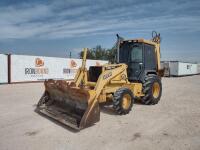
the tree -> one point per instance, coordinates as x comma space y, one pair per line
100, 53
104, 54
111, 55
90, 54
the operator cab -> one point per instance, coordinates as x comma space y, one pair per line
140, 58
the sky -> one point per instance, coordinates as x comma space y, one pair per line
54, 28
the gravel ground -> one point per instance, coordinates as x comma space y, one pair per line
174, 123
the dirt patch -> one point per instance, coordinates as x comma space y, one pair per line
165, 134
31, 133
136, 136
174, 123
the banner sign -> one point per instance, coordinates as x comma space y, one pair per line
39, 68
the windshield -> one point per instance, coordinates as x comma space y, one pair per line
130, 52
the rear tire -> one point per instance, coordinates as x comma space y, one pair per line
152, 88
123, 100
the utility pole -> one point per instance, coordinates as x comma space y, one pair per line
70, 54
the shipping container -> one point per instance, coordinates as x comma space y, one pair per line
198, 68
178, 68
3, 68
182, 68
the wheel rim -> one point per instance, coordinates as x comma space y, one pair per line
126, 101
156, 90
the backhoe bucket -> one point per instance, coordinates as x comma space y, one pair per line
73, 106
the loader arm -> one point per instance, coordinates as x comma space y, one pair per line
107, 76
102, 81
81, 74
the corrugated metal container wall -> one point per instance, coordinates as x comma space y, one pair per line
3, 68
187, 69
37, 68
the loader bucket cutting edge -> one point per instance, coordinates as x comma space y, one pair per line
72, 106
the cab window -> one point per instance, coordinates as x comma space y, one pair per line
136, 53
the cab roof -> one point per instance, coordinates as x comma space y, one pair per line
140, 41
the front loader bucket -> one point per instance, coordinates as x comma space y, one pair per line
73, 106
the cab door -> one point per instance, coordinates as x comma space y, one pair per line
135, 61
150, 58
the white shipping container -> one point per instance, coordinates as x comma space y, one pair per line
37, 68
3, 68
198, 68
182, 68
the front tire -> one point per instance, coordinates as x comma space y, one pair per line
152, 88
123, 100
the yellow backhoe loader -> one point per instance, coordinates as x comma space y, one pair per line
135, 76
